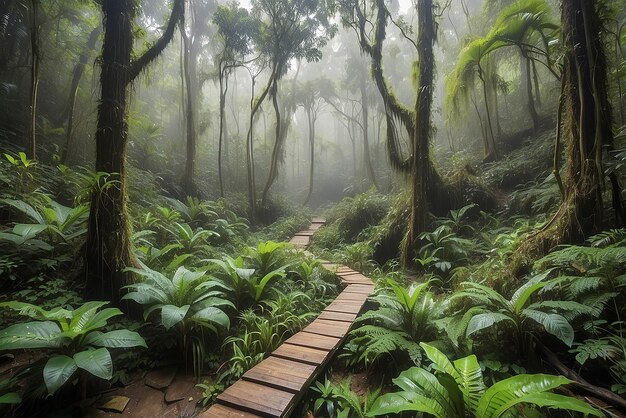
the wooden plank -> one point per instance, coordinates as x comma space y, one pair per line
303, 354
283, 374
356, 281
300, 240
347, 296
355, 275
315, 226
337, 316
328, 328
222, 411
345, 307
359, 288
318, 220
346, 273
257, 399
320, 342
306, 233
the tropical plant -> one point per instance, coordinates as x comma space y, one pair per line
57, 220
192, 241
247, 286
338, 400
404, 317
456, 389
190, 303
267, 256
443, 248
521, 316
74, 338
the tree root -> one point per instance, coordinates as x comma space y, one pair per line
606, 395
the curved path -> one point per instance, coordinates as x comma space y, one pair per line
274, 386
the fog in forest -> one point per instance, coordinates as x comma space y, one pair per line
332, 84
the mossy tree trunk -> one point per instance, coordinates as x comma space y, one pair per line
420, 163
108, 248
586, 122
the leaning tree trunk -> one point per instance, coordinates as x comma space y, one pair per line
420, 163
277, 149
108, 247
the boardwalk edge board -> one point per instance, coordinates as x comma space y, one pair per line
273, 387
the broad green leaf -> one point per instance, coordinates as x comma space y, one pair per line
115, 339
26, 209
440, 361
505, 391
554, 324
471, 383
485, 320
57, 371
396, 403
172, 315
213, 314
551, 400
418, 381
29, 230
100, 319
97, 362
40, 334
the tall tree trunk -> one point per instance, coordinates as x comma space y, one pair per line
189, 64
311, 120
527, 85
77, 75
586, 122
108, 247
420, 163
492, 153
34, 79
367, 159
223, 82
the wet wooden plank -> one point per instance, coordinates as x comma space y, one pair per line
337, 316
302, 354
223, 411
257, 399
320, 342
283, 374
318, 220
328, 328
315, 226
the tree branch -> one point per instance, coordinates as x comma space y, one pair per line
178, 11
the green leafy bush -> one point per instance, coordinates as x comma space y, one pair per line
392, 331
74, 338
456, 389
190, 303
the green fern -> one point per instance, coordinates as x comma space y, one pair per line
374, 343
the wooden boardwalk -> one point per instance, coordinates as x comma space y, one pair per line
273, 387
